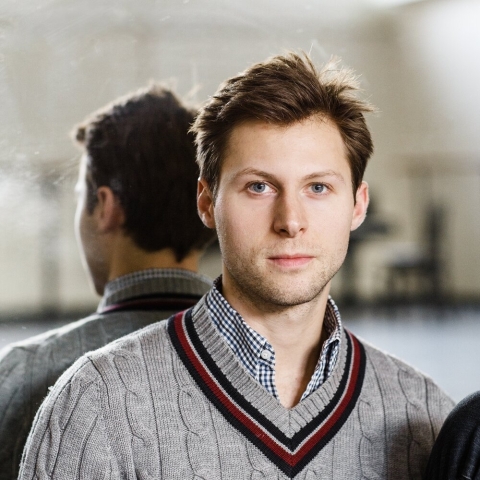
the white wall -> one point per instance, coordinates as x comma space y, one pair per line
428, 147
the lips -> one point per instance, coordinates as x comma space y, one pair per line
291, 261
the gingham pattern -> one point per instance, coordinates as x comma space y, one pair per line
257, 355
132, 279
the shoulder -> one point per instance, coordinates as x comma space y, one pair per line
388, 364
397, 375
28, 368
81, 373
69, 425
81, 366
36, 362
137, 350
104, 377
99, 401
47, 355
147, 337
48, 339
400, 411
59, 348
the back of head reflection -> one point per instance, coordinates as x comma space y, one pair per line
136, 190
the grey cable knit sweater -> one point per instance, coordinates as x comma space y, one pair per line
173, 402
30, 367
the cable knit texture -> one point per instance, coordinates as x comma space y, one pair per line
29, 368
172, 401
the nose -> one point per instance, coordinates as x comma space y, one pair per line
290, 217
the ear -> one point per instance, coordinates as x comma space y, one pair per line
205, 204
108, 211
361, 205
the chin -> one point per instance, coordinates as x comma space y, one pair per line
290, 299
290, 294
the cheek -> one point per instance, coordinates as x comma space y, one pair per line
236, 231
229, 218
334, 223
231, 233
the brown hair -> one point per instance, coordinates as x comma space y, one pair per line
282, 90
140, 147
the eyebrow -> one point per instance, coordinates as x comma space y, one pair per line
271, 177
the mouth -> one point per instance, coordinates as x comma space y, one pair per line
291, 261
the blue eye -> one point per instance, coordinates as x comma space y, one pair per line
258, 187
318, 187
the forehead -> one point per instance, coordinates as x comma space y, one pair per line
314, 143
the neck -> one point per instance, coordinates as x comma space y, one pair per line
296, 335
127, 258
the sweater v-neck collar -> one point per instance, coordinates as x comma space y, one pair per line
290, 438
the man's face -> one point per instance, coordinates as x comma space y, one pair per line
88, 238
284, 210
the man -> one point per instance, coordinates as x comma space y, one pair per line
141, 240
259, 379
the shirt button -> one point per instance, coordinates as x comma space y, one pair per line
265, 354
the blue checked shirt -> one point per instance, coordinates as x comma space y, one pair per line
257, 355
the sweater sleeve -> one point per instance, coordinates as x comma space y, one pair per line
15, 408
68, 439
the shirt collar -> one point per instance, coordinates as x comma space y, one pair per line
249, 344
154, 280
245, 342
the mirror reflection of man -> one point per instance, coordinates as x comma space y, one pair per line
259, 379
141, 240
